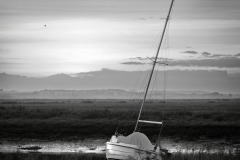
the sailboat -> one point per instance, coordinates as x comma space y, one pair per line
137, 146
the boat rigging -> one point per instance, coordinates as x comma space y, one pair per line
137, 146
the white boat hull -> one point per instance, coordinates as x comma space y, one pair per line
122, 151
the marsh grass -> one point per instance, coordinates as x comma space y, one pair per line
187, 119
40, 156
203, 156
176, 156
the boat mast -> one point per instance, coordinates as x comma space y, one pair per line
154, 62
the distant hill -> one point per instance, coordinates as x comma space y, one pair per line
110, 94
210, 81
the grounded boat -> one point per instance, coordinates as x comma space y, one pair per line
137, 146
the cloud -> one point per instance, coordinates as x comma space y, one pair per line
206, 54
9, 63
219, 56
208, 60
227, 56
138, 58
150, 58
3, 50
216, 56
190, 52
237, 55
143, 19
210, 55
224, 62
133, 63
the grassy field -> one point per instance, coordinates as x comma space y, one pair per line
177, 156
79, 119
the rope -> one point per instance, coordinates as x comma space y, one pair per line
165, 75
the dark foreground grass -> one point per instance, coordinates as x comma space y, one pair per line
79, 119
176, 156
203, 156
39, 156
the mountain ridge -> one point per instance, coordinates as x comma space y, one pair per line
177, 80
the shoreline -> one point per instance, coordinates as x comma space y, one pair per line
98, 146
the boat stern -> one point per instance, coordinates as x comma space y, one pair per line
121, 151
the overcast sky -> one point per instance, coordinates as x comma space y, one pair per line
44, 37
